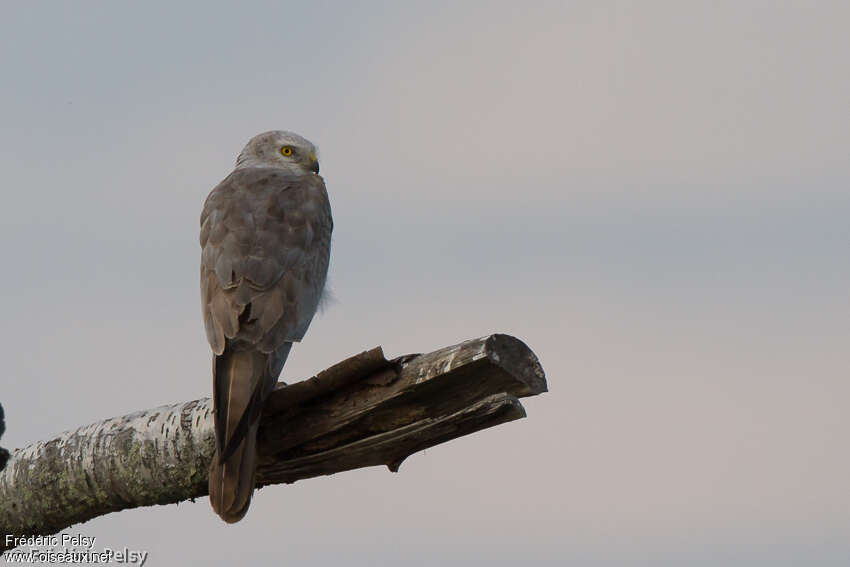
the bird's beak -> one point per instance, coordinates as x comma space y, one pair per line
314, 163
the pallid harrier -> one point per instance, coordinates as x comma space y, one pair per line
265, 240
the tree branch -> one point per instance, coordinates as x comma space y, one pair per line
361, 412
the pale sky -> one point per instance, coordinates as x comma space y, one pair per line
653, 196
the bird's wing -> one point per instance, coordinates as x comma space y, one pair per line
265, 239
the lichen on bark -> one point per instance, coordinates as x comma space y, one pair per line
363, 411
107, 466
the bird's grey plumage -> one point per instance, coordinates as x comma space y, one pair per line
265, 240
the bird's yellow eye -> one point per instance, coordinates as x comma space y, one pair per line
286, 150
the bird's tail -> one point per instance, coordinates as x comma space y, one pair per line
240, 386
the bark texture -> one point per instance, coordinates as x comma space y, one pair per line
361, 412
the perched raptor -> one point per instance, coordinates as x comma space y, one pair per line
265, 241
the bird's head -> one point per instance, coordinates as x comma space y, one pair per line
281, 150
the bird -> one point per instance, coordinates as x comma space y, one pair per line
265, 248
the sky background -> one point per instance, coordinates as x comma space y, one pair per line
654, 197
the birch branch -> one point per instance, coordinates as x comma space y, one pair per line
363, 411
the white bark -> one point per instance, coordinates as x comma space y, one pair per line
363, 411
149, 457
